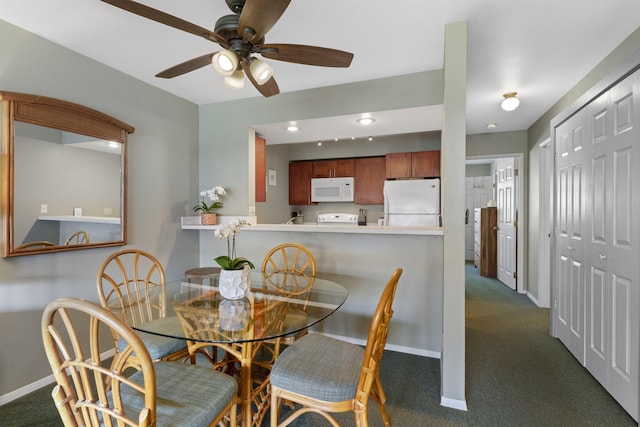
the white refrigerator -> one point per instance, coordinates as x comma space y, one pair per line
412, 202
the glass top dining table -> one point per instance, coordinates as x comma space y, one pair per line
277, 305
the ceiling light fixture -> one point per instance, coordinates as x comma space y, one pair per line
510, 101
260, 70
292, 128
225, 62
365, 120
492, 125
235, 80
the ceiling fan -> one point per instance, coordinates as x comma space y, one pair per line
241, 35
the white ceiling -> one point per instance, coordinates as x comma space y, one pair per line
538, 48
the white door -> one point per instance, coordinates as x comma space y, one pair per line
597, 242
569, 275
545, 224
506, 198
612, 297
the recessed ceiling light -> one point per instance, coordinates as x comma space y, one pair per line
319, 143
365, 120
292, 128
492, 125
370, 138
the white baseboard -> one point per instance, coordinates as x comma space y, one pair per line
36, 385
460, 405
392, 347
23, 391
534, 299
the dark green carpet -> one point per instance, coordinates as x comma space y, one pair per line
517, 375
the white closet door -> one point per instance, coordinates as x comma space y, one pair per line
506, 198
613, 295
597, 242
570, 228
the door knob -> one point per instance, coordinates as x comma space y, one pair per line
603, 256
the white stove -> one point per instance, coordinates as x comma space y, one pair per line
338, 219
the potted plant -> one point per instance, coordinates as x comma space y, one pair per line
235, 280
208, 210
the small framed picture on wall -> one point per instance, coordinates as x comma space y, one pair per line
272, 177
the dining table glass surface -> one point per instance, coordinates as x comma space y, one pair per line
277, 304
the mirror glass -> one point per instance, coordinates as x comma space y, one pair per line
66, 189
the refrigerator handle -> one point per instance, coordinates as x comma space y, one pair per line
466, 217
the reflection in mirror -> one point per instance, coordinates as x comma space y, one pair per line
64, 182
66, 176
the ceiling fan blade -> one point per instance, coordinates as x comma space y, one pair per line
258, 16
165, 18
187, 66
308, 55
267, 89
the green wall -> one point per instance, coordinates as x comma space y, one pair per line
162, 182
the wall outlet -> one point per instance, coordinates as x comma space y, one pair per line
43, 208
108, 211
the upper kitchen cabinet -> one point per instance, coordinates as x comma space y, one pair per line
419, 164
370, 173
333, 168
300, 183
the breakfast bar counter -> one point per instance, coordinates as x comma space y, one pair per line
192, 223
361, 258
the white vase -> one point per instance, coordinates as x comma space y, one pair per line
234, 284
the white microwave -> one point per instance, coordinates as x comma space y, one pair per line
332, 189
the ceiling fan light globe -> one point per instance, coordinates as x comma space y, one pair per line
261, 71
235, 80
225, 62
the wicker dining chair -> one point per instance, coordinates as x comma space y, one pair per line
326, 375
132, 284
79, 237
289, 258
299, 266
37, 244
92, 392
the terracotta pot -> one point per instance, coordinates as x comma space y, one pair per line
208, 218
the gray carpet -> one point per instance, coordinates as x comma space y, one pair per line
517, 375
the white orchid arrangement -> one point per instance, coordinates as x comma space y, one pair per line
215, 196
229, 232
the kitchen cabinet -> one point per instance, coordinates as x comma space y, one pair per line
418, 164
333, 168
370, 174
486, 241
300, 183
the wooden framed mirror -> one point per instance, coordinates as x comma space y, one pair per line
64, 176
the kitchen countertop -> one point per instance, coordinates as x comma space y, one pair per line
312, 227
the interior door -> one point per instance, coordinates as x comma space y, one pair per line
612, 326
507, 253
569, 277
597, 240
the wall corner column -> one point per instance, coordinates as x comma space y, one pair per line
453, 151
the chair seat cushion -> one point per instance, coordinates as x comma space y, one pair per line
160, 346
187, 395
320, 367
